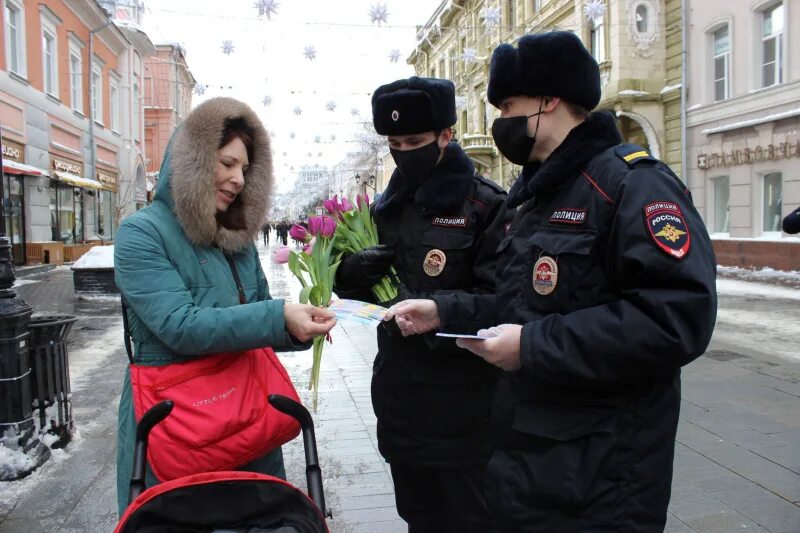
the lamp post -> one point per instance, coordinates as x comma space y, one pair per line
369, 182
17, 428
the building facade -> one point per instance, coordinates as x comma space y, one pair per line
743, 126
634, 42
168, 87
71, 125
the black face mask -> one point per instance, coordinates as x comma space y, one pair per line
511, 137
417, 164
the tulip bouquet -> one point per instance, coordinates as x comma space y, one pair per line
356, 231
315, 268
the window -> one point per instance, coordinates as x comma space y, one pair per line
773, 199
15, 38
76, 76
50, 53
722, 212
598, 38
772, 45
722, 59
642, 21
511, 14
137, 126
97, 93
113, 104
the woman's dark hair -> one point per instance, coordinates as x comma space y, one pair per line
233, 218
238, 128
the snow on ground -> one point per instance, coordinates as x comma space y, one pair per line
735, 287
20, 282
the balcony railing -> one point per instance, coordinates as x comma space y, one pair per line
478, 144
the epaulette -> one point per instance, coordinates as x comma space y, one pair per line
492, 185
633, 154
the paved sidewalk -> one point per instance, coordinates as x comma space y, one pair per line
737, 462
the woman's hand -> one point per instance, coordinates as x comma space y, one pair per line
304, 322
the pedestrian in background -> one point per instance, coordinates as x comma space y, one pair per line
265, 229
605, 289
187, 267
439, 224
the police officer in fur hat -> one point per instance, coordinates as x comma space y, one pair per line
439, 224
605, 289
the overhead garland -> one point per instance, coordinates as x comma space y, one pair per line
378, 14
267, 8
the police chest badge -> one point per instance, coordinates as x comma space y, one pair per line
434, 262
667, 228
545, 275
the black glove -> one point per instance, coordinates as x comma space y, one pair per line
365, 268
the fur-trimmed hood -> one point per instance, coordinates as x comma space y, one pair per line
186, 179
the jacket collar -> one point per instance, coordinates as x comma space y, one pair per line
597, 133
442, 193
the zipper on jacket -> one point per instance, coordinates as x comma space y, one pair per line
236, 279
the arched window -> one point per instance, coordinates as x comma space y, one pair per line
642, 18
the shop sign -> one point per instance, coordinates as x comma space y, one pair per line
746, 156
141, 195
65, 165
13, 151
108, 179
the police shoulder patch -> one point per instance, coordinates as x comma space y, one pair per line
633, 154
668, 229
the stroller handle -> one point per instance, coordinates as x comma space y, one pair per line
153, 416
313, 472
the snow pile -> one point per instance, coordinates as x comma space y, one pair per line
20, 282
96, 257
735, 287
13, 461
768, 275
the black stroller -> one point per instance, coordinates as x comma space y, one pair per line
226, 502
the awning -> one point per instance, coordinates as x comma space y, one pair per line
12, 167
78, 181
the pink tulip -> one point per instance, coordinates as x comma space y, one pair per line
314, 225
298, 232
281, 255
330, 206
308, 248
328, 227
346, 205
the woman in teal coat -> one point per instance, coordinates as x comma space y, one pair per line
174, 262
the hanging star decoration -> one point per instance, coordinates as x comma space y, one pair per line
317, 139
378, 14
227, 47
292, 135
310, 52
298, 112
267, 8
355, 112
333, 138
267, 100
331, 106
200, 89
594, 10
469, 56
461, 102
394, 55
491, 17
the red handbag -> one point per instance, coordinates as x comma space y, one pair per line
221, 419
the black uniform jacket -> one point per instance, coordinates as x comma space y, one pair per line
610, 269
432, 399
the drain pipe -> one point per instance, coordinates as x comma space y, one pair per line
684, 80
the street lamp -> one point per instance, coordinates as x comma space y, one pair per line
369, 182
